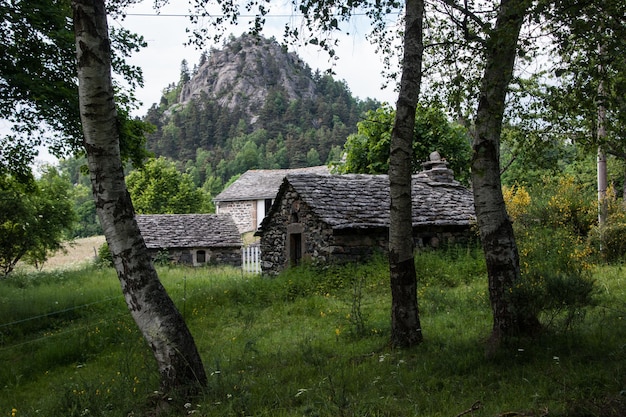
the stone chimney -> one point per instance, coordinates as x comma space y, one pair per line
437, 169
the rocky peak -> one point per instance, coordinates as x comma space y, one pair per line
246, 70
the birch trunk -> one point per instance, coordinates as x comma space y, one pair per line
496, 231
406, 329
601, 158
152, 309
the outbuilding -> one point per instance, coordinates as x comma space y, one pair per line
192, 239
345, 218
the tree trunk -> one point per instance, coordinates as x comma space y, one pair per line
406, 329
603, 210
152, 309
601, 161
495, 227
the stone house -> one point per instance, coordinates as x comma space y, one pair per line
345, 218
250, 197
192, 239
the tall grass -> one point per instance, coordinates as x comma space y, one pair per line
309, 342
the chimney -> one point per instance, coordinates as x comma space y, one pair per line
437, 169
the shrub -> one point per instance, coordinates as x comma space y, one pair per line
551, 224
162, 258
610, 240
105, 258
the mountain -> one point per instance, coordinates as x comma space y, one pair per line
245, 71
252, 105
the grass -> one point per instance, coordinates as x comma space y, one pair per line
306, 343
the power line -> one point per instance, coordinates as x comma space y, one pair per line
245, 16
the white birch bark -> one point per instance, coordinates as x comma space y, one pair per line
406, 329
496, 231
152, 309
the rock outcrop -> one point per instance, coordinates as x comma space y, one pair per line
244, 72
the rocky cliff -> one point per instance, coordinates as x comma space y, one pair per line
244, 72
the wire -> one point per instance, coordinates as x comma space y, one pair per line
58, 312
64, 332
244, 16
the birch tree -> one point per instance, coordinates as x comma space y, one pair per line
406, 329
159, 321
496, 231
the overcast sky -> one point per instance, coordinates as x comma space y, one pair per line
358, 64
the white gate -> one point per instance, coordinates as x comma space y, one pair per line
251, 259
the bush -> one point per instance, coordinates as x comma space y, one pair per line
551, 225
610, 240
162, 258
105, 258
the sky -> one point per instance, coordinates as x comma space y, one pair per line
358, 65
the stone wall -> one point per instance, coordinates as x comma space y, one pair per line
242, 212
213, 256
319, 242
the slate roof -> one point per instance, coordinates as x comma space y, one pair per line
259, 184
169, 231
362, 201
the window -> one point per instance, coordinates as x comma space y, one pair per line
200, 256
268, 204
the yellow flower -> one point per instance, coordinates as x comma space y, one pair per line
13, 412
517, 200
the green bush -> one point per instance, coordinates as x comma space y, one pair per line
610, 240
162, 258
105, 258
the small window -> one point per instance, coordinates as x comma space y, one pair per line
268, 205
200, 257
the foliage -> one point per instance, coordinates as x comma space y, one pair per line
87, 223
35, 218
105, 257
527, 156
591, 72
39, 97
551, 222
215, 142
162, 258
159, 188
286, 346
367, 151
610, 240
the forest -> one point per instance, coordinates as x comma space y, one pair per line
306, 127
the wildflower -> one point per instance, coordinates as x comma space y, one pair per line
13, 412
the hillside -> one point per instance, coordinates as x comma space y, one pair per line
251, 105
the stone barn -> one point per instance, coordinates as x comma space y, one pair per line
345, 218
192, 239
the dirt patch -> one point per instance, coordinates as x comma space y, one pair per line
77, 253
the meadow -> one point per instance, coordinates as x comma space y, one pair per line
310, 342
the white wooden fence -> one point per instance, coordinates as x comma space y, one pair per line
251, 259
